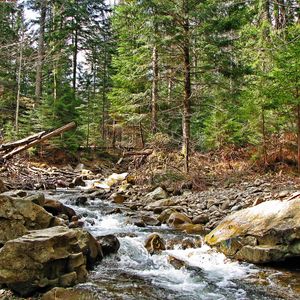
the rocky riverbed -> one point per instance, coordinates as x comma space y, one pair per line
36, 222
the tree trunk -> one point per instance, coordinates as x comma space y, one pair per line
19, 81
41, 53
75, 54
154, 90
104, 96
187, 92
263, 125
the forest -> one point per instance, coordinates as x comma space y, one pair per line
149, 149
201, 75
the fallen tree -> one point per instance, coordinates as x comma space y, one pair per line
11, 149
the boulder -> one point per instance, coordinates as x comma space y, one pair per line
175, 262
78, 181
55, 208
176, 219
56, 256
19, 215
151, 221
158, 194
117, 198
155, 244
201, 219
109, 244
267, 232
164, 216
161, 203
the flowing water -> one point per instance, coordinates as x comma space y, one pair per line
134, 274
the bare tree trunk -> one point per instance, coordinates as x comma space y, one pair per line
75, 53
142, 135
263, 125
19, 81
104, 96
54, 71
41, 53
187, 92
170, 86
298, 130
154, 90
113, 144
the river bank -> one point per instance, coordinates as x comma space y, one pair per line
112, 205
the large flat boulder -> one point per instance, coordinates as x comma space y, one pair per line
19, 215
57, 256
268, 232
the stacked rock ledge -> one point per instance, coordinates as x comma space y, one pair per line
38, 250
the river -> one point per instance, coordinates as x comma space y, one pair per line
134, 274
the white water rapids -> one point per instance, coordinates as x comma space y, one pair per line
134, 274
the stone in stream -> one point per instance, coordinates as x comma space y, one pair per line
176, 219
155, 244
175, 262
164, 216
109, 243
117, 198
81, 200
151, 221
56, 208
56, 256
77, 181
267, 232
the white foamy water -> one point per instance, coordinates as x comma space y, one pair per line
208, 275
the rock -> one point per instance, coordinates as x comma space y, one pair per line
109, 243
164, 216
78, 181
81, 200
161, 203
76, 224
175, 262
151, 221
59, 293
188, 243
201, 219
225, 205
15, 193
118, 198
56, 256
192, 228
158, 194
264, 233
155, 244
55, 207
18, 216
138, 222
176, 219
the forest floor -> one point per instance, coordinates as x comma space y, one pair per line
218, 183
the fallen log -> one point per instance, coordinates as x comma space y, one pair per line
12, 145
35, 139
138, 153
